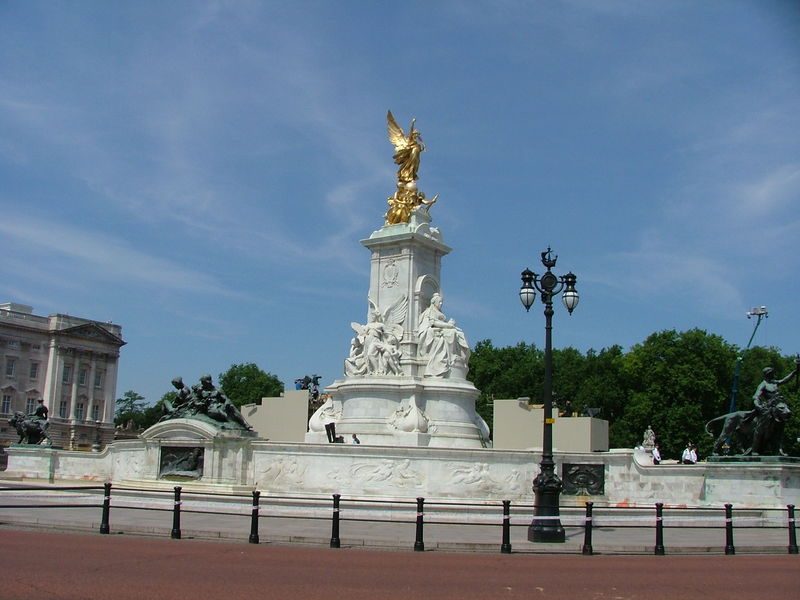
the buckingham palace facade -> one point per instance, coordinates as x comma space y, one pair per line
69, 362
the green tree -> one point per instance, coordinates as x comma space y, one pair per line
509, 372
569, 367
151, 415
129, 408
246, 383
133, 407
603, 384
677, 382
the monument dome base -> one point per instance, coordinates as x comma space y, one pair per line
402, 411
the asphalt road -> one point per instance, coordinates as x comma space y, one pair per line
60, 566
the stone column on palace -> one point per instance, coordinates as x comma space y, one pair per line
110, 387
52, 381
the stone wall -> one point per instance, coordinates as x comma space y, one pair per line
615, 478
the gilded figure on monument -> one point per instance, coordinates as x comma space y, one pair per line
407, 148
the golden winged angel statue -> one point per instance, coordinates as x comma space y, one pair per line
407, 149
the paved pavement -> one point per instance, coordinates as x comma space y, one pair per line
283, 522
62, 566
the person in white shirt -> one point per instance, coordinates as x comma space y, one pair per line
355, 440
689, 456
656, 455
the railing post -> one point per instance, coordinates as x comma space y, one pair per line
104, 527
505, 547
729, 549
419, 544
253, 539
176, 515
792, 532
335, 541
659, 549
587, 530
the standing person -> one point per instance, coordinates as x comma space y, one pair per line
656, 455
355, 440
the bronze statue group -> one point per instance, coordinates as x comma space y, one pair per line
203, 400
757, 432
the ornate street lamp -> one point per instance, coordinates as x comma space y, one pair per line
97, 445
546, 524
760, 312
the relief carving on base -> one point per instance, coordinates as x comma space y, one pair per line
477, 478
284, 472
391, 473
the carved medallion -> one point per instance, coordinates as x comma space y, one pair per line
583, 480
391, 273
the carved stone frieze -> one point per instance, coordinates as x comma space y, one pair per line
385, 472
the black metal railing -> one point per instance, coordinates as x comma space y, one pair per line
658, 523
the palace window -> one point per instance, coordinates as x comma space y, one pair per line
98, 379
79, 411
30, 405
96, 412
82, 376
34, 371
66, 375
6, 405
62, 409
10, 364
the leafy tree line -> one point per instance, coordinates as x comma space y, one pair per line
242, 383
675, 382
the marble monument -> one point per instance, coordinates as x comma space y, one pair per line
405, 377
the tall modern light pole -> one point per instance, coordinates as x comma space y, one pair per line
759, 312
546, 525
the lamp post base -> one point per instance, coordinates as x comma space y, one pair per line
548, 532
546, 526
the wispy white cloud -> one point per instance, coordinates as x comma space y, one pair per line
107, 256
700, 283
773, 191
173, 166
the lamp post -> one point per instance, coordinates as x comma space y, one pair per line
759, 312
546, 525
97, 445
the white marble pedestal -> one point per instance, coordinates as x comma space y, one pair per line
410, 411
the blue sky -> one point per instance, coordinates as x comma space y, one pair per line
201, 172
